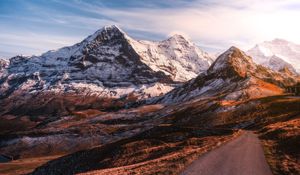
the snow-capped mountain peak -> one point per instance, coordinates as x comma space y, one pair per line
176, 56
277, 54
107, 33
104, 34
178, 38
233, 61
108, 61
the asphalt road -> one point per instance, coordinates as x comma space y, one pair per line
241, 156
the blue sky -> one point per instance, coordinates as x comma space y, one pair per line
35, 26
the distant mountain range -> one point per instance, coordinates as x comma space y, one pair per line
109, 63
277, 54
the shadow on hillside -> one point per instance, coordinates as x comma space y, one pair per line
155, 144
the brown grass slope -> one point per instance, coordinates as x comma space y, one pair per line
196, 127
163, 149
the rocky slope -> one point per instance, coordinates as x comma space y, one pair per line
277, 54
233, 76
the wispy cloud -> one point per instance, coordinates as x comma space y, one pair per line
214, 24
32, 43
241, 23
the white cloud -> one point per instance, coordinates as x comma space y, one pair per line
32, 43
216, 24
222, 24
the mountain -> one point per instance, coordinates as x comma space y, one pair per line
175, 56
233, 76
104, 67
109, 63
277, 54
192, 119
234, 94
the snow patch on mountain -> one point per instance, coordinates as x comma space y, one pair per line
175, 56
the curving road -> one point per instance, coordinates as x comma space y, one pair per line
241, 156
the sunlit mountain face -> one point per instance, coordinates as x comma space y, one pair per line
138, 87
